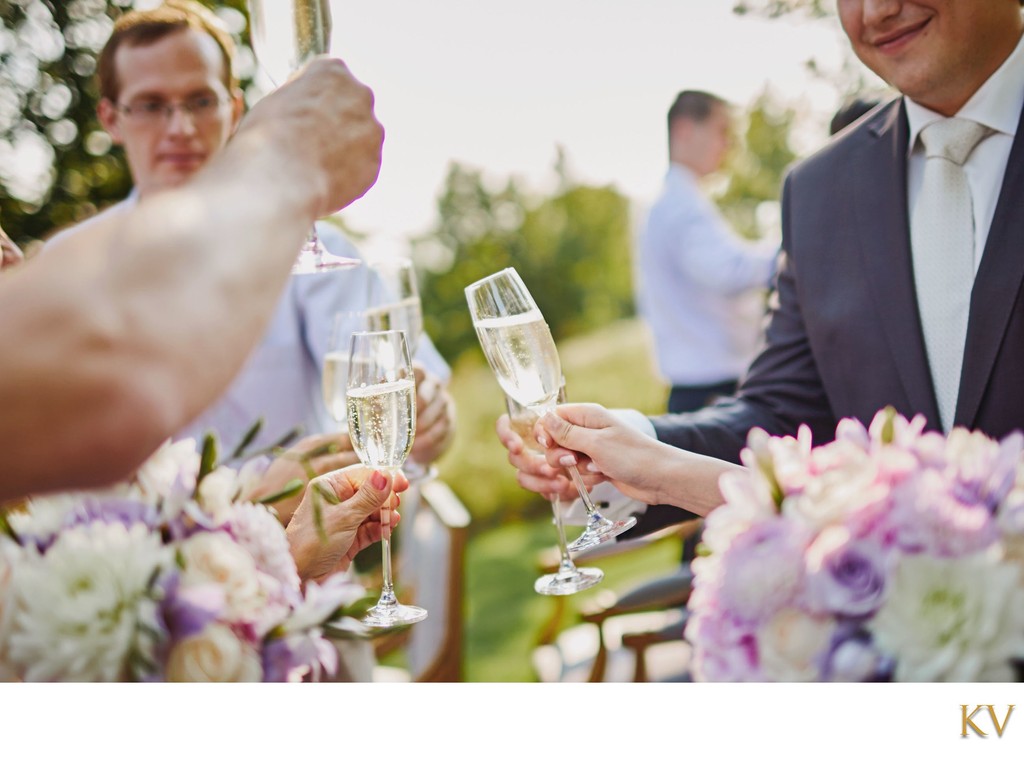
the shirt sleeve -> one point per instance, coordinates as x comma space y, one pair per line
689, 234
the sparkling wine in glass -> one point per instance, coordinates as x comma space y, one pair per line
286, 34
381, 401
519, 348
568, 579
395, 299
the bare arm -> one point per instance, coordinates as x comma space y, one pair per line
111, 347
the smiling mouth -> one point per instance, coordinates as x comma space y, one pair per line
893, 40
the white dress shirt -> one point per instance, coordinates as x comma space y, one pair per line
997, 104
280, 381
700, 286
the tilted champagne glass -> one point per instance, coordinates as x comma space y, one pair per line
569, 579
381, 399
285, 35
394, 299
522, 354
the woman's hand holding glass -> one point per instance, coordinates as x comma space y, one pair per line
568, 579
521, 352
381, 399
351, 502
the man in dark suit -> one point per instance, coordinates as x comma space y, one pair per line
862, 317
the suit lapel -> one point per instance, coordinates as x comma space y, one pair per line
880, 176
996, 287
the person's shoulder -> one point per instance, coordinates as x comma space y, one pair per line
837, 154
67, 235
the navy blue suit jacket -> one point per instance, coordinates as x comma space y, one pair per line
845, 338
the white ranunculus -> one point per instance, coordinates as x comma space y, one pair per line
846, 480
952, 619
217, 493
9, 552
792, 645
173, 464
216, 655
80, 610
215, 557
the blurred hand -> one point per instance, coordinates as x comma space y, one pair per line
365, 497
323, 118
289, 466
435, 417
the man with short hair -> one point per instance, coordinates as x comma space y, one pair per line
901, 283
171, 99
701, 287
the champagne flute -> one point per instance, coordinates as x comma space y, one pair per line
334, 378
285, 35
395, 299
519, 348
569, 579
381, 400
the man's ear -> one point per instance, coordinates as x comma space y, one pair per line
110, 119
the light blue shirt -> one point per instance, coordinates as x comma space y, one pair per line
700, 286
280, 381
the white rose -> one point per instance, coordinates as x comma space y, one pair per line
214, 656
214, 557
171, 462
792, 645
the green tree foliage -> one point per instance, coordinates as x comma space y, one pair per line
572, 249
755, 170
57, 165
776, 8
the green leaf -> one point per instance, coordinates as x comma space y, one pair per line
208, 459
289, 489
5, 526
889, 428
247, 439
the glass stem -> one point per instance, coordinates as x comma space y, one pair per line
577, 479
387, 591
566, 566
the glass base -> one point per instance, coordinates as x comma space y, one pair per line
598, 532
314, 258
562, 584
393, 616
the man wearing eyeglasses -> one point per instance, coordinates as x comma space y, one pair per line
171, 100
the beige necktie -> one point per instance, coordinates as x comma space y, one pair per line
942, 236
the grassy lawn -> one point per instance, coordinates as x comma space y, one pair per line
504, 615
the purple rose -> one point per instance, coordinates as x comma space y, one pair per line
845, 576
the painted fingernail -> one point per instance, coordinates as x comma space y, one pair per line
593, 468
378, 481
567, 461
542, 440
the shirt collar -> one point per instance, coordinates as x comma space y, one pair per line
677, 173
997, 104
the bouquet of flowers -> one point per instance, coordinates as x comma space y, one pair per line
888, 554
167, 577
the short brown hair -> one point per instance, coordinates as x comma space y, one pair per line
139, 28
695, 105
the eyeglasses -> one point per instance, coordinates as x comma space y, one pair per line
202, 108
